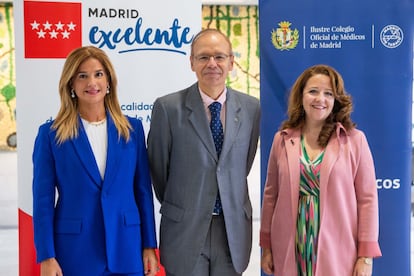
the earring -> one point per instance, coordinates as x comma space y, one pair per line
72, 93
107, 90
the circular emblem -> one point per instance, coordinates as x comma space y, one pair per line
391, 36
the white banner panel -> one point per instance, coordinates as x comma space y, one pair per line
147, 41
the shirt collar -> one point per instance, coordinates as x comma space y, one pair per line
207, 100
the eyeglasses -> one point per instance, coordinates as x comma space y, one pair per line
206, 58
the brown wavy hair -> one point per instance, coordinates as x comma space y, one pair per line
341, 112
66, 123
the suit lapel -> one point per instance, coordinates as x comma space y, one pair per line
329, 159
198, 119
292, 144
233, 121
84, 151
113, 152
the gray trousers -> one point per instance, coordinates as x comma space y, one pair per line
215, 259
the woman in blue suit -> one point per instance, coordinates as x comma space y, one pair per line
93, 210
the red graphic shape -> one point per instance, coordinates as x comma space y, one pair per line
27, 253
51, 29
162, 270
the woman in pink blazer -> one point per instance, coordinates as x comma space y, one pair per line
320, 205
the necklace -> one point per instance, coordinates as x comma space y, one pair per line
96, 124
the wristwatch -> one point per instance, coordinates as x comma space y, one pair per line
367, 261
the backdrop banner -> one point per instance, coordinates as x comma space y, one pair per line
371, 44
148, 43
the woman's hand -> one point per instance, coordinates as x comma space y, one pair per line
363, 268
150, 262
50, 267
267, 261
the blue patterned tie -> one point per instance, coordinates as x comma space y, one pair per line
218, 137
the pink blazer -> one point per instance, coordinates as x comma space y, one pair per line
348, 203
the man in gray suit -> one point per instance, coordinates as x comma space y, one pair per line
193, 173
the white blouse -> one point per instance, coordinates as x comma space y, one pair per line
98, 139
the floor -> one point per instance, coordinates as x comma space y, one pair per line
9, 233
8, 251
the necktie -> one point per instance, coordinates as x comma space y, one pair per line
216, 126
218, 137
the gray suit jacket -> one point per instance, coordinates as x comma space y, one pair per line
186, 174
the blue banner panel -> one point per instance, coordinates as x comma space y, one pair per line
371, 44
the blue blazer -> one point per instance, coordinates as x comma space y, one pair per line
93, 224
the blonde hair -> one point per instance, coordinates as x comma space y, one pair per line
341, 112
66, 123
